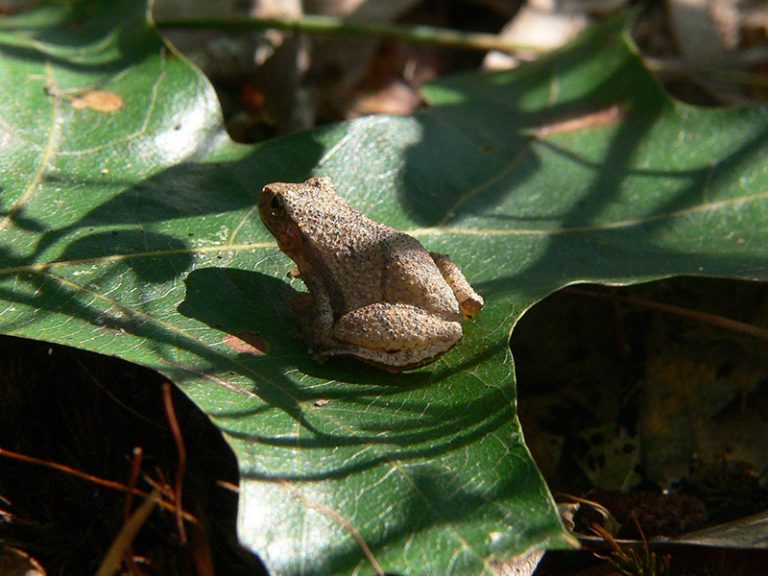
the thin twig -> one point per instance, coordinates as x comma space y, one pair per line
712, 319
138, 456
124, 539
173, 424
91, 478
330, 25
449, 38
757, 56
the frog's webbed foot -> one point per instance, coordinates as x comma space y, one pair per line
470, 301
294, 272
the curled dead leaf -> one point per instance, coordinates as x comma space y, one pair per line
247, 343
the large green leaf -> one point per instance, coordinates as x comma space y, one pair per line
132, 232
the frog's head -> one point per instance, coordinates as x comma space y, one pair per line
276, 204
284, 206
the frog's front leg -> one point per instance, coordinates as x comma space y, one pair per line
470, 301
395, 336
315, 317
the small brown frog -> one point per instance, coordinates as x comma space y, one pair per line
376, 293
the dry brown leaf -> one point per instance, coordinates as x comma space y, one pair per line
98, 100
247, 343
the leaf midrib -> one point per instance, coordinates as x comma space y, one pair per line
416, 232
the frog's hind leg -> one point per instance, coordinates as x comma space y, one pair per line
391, 362
393, 336
385, 326
470, 301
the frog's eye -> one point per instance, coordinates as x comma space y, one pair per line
276, 205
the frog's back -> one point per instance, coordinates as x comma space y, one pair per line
351, 251
358, 261
368, 262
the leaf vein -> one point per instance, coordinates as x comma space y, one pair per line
47, 152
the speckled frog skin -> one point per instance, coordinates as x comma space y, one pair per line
376, 293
